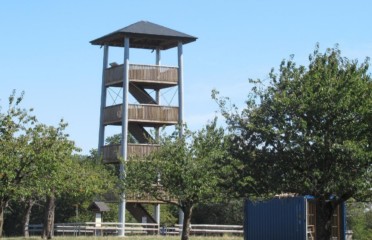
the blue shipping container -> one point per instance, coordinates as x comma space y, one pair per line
291, 218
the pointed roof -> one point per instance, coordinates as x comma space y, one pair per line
98, 207
145, 35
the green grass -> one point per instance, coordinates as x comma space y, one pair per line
131, 238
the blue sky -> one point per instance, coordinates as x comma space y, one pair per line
45, 49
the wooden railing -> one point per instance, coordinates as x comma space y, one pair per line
209, 229
147, 113
147, 198
138, 197
112, 153
112, 228
142, 73
103, 228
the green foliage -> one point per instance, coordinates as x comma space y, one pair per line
227, 213
168, 215
182, 171
15, 125
116, 139
359, 220
183, 168
15, 162
309, 130
52, 151
306, 131
37, 161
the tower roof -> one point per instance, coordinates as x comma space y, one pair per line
145, 35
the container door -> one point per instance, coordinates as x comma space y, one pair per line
311, 220
336, 224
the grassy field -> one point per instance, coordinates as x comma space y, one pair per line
132, 238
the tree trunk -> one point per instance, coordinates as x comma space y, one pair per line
48, 223
187, 210
3, 204
325, 210
26, 216
2, 208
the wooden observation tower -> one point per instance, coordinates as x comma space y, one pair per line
143, 84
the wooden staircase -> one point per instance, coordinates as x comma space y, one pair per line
146, 113
139, 212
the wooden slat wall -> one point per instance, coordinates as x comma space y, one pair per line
145, 197
137, 197
152, 113
112, 153
147, 73
142, 112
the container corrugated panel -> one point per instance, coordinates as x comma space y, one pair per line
279, 219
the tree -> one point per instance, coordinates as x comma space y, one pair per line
52, 151
224, 213
359, 220
65, 174
308, 131
86, 181
15, 163
36, 163
182, 172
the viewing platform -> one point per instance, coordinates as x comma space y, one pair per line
147, 76
112, 153
147, 114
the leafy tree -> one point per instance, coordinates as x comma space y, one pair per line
65, 174
15, 162
52, 150
359, 220
36, 164
224, 213
182, 171
116, 139
89, 182
308, 131
86, 182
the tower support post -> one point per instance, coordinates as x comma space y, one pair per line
157, 136
157, 62
180, 106
101, 134
124, 132
180, 87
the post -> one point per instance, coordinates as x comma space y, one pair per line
124, 132
158, 64
101, 134
157, 136
180, 108
180, 87
156, 215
